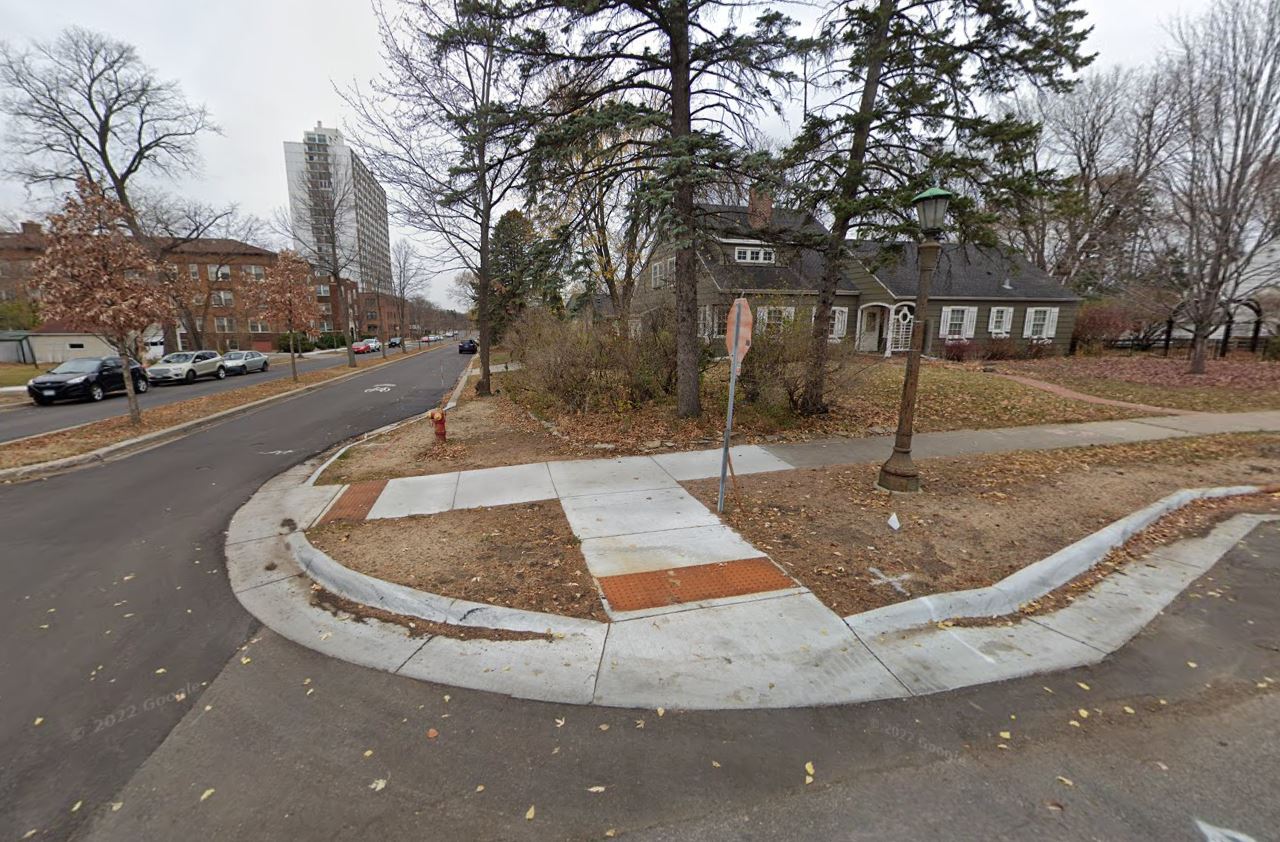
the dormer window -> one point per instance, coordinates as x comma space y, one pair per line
753, 254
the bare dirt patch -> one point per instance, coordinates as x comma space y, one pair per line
977, 520
520, 556
482, 433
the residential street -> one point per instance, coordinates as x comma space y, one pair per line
290, 745
115, 596
30, 420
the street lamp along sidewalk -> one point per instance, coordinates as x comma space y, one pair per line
899, 473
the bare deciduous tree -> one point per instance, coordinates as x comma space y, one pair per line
1223, 181
406, 281
444, 129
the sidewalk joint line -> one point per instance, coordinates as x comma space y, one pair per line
604, 647
1086, 643
879, 660
430, 638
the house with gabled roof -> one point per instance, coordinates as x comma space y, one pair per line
772, 257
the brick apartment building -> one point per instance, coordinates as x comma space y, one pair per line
222, 273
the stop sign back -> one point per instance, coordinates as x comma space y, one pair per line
738, 342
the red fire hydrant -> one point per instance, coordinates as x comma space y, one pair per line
437, 417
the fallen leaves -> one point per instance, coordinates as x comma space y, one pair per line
432, 733
1006, 735
596, 789
378, 784
204, 796
1065, 781
1192, 664
39, 720
715, 764
560, 722
530, 813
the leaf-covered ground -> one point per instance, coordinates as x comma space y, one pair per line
863, 403
1235, 384
977, 519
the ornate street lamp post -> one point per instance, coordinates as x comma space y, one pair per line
899, 472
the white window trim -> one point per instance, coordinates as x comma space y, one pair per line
968, 323
1050, 329
763, 255
1006, 321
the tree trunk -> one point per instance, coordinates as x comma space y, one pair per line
382, 324
813, 399
293, 358
1199, 350
131, 397
688, 346
483, 388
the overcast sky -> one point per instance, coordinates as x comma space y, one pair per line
267, 68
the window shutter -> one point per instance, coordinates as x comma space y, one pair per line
970, 321
842, 322
992, 318
1026, 322
944, 322
1051, 323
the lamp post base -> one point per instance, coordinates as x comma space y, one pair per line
899, 474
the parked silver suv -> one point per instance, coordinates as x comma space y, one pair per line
186, 366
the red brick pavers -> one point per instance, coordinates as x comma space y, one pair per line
680, 585
355, 502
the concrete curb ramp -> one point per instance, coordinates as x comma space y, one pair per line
777, 649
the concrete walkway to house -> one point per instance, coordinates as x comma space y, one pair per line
699, 617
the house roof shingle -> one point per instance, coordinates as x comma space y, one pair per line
220, 246
964, 270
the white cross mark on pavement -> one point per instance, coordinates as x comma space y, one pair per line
892, 581
274, 452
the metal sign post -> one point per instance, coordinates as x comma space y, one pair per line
737, 333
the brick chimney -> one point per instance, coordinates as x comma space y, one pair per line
759, 209
32, 228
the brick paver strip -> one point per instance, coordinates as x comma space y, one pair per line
356, 501
636, 591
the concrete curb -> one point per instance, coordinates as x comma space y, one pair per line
400, 599
128, 446
1034, 580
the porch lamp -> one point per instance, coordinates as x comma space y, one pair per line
899, 473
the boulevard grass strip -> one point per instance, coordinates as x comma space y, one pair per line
1231, 385
977, 519
519, 556
89, 437
17, 374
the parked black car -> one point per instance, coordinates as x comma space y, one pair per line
468, 346
85, 378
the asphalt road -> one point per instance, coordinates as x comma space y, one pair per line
29, 419
292, 745
115, 597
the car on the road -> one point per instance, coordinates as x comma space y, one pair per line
243, 362
365, 346
395, 342
468, 346
85, 378
186, 366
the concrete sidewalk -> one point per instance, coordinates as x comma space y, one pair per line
699, 617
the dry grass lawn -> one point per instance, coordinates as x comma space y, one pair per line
1236, 384
864, 401
15, 374
520, 556
977, 520
482, 433
90, 437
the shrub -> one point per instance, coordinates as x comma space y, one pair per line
1271, 350
329, 341
1101, 322
996, 348
584, 368
773, 373
301, 343
1038, 349
959, 350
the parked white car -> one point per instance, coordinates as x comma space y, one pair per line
186, 366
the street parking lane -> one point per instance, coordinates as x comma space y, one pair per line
30, 420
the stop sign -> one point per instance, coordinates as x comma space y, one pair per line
738, 341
